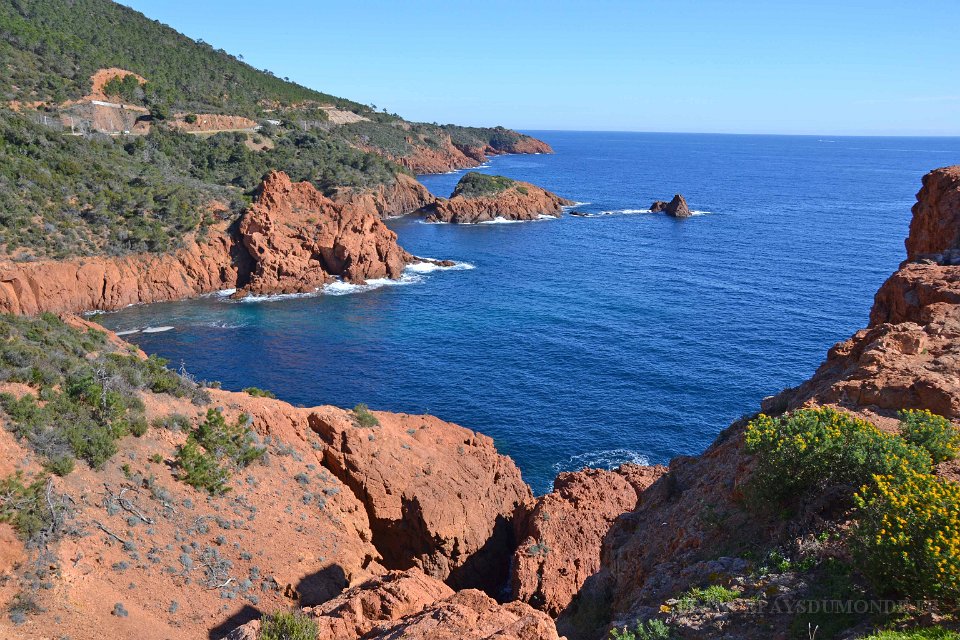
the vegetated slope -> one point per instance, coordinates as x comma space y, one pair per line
136, 502
51, 48
88, 194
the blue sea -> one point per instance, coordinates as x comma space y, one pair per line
623, 336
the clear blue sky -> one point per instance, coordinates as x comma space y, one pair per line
738, 66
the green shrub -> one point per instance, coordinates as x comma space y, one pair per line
363, 416
200, 469
811, 449
478, 185
933, 433
650, 630
259, 393
284, 625
24, 506
214, 449
908, 535
712, 596
929, 633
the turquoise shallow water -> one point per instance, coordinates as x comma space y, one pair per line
590, 341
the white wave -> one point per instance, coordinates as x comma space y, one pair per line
576, 204
695, 212
340, 288
428, 267
157, 329
606, 459
225, 293
502, 220
412, 274
128, 332
615, 212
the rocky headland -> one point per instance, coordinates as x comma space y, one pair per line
292, 239
480, 198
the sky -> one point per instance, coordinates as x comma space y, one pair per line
854, 67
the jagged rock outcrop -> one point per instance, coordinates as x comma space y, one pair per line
358, 610
560, 534
439, 497
293, 239
298, 239
410, 604
483, 198
677, 207
405, 195
471, 615
908, 358
935, 227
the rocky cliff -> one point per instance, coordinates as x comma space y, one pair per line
298, 239
447, 156
485, 198
292, 239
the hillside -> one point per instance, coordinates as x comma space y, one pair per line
122, 136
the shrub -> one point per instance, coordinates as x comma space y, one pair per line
908, 535
259, 393
24, 506
930, 633
478, 185
712, 596
364, 417
649, 630
811, 449
930, 432
284, 625
213, 449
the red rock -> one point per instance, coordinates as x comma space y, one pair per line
935, 227
560, 534
471, 615
519, 201
405, 195
299, 238
439, 497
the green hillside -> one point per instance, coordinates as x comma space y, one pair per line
50, 48
67, 195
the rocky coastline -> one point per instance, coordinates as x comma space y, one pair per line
382, 525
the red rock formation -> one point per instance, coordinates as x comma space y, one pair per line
560, 534
519, 201
935, 227
676, 208
409, 604
82, 284
298, 239
471, 615
404, 196
445, 156
439, 497
292, 240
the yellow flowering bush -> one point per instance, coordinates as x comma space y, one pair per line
810, 449
908, 534
931, 432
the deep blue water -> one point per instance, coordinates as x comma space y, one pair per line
595, 340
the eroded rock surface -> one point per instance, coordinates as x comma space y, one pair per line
298, 239
439, 497
560, 534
